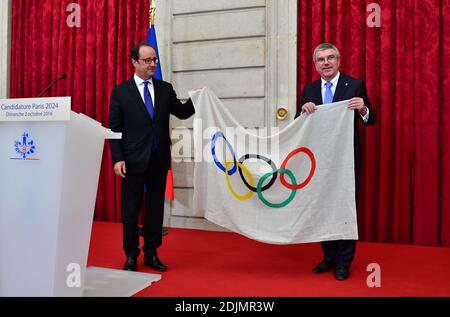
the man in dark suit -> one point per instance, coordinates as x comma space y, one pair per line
140, 108
333, 87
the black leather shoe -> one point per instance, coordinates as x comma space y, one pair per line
322, 267
130, 264
341, 273
154, 262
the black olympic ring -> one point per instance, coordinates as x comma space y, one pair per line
265, 159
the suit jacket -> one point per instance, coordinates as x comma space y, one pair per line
129, 115
347, 88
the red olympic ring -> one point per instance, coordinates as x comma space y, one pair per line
311, 172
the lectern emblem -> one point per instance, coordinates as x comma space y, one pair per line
25, 148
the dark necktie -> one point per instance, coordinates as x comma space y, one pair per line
148, 100
151, 111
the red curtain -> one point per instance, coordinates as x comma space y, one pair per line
95, 56
406, 173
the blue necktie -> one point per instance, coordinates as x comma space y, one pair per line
151, 111
328, 93
148, 100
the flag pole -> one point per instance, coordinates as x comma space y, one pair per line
151, 13
151, 39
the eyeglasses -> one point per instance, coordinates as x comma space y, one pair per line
330, 58
149, 60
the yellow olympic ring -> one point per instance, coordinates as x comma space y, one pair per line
249, 176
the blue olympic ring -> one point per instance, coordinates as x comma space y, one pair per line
213, 151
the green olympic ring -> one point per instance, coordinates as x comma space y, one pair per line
283, 203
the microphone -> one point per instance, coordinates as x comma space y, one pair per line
64, 75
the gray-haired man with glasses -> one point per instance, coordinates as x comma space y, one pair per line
334, 86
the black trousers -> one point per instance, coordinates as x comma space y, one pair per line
342, 252
132, 191
339, 252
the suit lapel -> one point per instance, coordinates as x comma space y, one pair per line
157, 91
341, 87
136, 97
317, 91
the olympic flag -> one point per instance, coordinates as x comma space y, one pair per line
293, 186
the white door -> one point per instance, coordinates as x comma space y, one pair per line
243, 50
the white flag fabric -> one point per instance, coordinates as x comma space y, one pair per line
294, 186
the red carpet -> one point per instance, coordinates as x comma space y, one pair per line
221, 264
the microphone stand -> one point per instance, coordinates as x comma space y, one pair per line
51, 84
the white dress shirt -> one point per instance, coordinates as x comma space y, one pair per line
334, 82
140, 85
